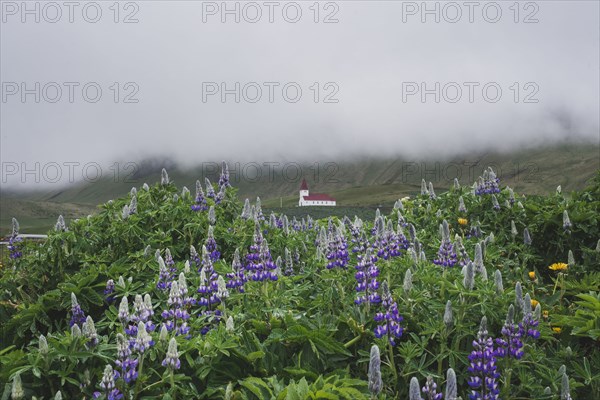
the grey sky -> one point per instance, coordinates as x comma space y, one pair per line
369, 56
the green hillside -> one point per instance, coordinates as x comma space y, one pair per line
364, 182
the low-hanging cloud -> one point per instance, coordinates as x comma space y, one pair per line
339, 80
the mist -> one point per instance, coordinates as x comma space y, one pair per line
374, 79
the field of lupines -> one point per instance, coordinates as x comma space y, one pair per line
477, 293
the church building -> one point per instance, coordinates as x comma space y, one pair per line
315, 199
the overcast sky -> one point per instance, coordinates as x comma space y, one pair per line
370, 68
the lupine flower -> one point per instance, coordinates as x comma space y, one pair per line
247, 210
566, 222
407, 285
258, 210
483, 380
210, 190
185, 193
200, 200
164, 177
60, 224
43, 346
208, 281
176, 315
75, 331
565, 391
446, 254
229, 325
17, 392
58, 396
448, 319
212, 217
571, 259
107, 384
432, 195
289, 263
511, 196
125, 212
478, 262
237, 277
77, 315
374, 373
89, 332
495, 203
498, 282
142, 311
526, 237
211, 245
488, 183
145, 187
389, 321
510, 345
413, 390
220, 195
519, 302
259, 264
224, 178
164, 276
528, 326
126, 363
430, 390
451, 388
163, 334
109, 289
171, 360
424, 190
143, 340
337, 253
389, 243
366, 277
133, 205
124, 310
14, 241
456, 184
469, 276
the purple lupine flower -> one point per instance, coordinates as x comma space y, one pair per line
176, 315
430, 390
389, 320
14, 241
109, 290
143, 341
461, 251
461, 205
171, 360
366, 278
142, 311
483, 380
247, 210
446, 255
258, 214
210, 190
337, 253
237, 277
77, 314
126, 363
224, 178
211, 245
495, 204
60, 224
107, 384
164, 276
289, 263
488, 183
528, 326
220, 195
510, 344
200, 200
389, 243
208, 282
259, 263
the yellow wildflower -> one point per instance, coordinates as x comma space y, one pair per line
559, 267
534, 303
557, 329
545, 314
532, 275
463, 221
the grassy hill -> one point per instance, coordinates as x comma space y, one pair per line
364, 182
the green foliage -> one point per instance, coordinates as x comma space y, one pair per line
302, 336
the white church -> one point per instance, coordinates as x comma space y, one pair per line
315, 199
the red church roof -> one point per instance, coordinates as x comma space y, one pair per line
319, 197
303, 186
